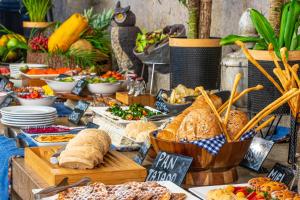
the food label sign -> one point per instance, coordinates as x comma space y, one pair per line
257, 153
81, 84
281, 174
78, 111
142, 153
169, 167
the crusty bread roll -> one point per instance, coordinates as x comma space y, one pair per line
199, 124
176, 122
236, 121
86, 150
140, 130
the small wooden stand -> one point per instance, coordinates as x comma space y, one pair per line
125, 98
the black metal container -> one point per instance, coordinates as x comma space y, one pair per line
258, 100
195, 62
293, 143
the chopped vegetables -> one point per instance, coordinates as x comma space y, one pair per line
36, 71
102, 80
113, 74
134, 112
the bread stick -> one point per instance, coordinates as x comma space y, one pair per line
264, 124
258, 66
235, 85
273, 55
237, 97
284, 61
267, 110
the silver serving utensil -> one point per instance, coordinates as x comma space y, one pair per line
51, 191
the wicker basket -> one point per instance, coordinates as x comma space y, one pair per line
54, 61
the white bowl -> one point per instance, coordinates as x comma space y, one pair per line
3, 95
61, 87
44, 101
15, 68
105, 89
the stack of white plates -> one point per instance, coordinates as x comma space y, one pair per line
28, 116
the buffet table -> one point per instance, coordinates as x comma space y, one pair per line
25, 179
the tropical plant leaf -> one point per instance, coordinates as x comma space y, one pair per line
264, 28
99, 21
230, 39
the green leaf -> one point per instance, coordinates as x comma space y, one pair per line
283, 23
230, 39
260, 46
292, 18
264, 29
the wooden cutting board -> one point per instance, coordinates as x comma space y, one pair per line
117, 168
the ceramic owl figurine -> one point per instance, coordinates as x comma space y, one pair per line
123, 37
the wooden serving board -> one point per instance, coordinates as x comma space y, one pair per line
117, 168
146, 99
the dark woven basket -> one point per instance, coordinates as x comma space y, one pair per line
294, 129
195, 65
258, 100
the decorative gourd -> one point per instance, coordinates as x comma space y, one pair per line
68, 33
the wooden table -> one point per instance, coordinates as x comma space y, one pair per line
25, 179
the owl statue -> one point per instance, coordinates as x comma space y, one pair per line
123, 37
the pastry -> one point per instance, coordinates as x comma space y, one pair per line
54, 138
139, 130
255, 183
236, 121
127, 191
199, 124
283, 194
220, 194
272, 186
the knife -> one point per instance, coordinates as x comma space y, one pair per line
51, 191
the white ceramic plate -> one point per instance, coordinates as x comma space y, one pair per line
25, 117
28, 121
28, 110
26, 125
202, 191
48, 76
102, 111
61, 87
171, 186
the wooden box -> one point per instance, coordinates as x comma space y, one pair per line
117, 168
146, 99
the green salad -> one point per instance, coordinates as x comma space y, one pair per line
134, 112
102, 80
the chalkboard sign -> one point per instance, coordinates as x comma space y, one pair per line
142, 153
92, 125
81, 84
78, 111
257, 153
281, 173
6, 101
169, 167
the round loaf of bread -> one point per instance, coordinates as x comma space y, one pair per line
199, 124
283, 195
236, 121
255, 183
139, 130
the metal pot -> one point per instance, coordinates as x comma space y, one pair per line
232, 64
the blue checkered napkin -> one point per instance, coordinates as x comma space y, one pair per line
213, 145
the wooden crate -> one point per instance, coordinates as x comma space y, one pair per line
146, 99
117, 168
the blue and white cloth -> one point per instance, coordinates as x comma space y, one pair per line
8, 150
213, 145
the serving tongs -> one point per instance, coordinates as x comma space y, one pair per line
53, 190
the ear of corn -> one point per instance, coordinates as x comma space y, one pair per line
68, 33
